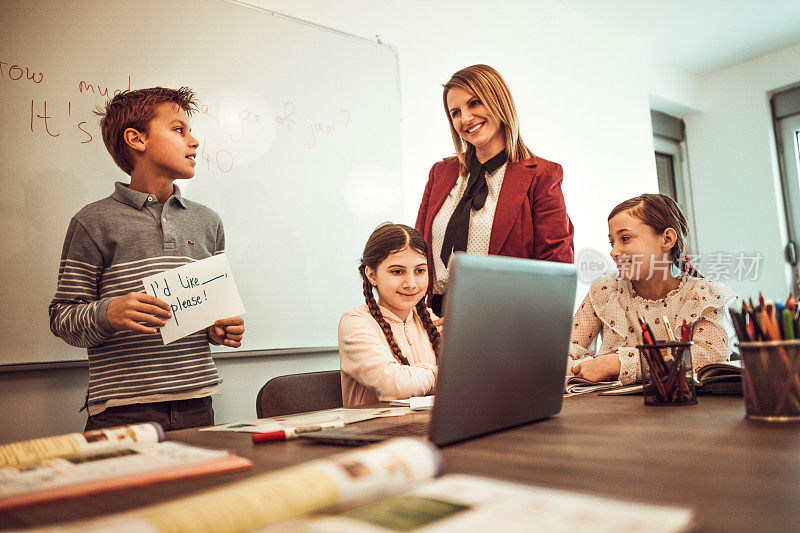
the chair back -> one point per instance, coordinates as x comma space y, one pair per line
298, 393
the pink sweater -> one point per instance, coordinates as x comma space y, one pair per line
370, 372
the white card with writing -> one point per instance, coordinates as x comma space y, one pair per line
198, 294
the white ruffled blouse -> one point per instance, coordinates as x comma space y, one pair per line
611, 307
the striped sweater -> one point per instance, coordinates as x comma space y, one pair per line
110, 246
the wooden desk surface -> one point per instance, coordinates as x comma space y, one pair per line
738, 475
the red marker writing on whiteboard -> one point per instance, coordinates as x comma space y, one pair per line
291, 433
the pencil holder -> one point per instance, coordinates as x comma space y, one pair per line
771, 380
667, 373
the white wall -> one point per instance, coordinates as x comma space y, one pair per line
735, 175
672, 90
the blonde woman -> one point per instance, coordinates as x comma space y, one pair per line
494, 197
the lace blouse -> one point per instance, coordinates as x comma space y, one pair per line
610, 309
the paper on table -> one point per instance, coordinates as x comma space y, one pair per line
341, 414
198, 293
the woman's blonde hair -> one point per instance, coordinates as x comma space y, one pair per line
490, 88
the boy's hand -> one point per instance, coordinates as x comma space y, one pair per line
601, 368
227, 331
125, 312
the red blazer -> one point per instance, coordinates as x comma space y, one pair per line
530, 221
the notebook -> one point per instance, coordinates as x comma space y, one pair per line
503, 355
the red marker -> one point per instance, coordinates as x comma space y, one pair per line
686, 332
292, 433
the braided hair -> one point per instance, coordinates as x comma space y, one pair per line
387, 239
660, 212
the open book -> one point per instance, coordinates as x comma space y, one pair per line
577, 385
387, 487
714, 378
77, 464
720, 378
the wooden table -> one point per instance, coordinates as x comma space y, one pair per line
738, 475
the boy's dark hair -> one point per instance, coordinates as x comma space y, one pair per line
136, 109
385, 240
660, 212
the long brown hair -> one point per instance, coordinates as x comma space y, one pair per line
660, 212
490, 88
387, 239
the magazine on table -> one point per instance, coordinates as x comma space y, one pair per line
387, 487
77, 464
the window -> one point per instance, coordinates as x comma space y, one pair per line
665, 166
669, 139
786, 118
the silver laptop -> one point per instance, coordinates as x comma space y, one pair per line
503, 358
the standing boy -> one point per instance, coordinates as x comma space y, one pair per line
143, 228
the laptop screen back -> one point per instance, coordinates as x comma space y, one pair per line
505, 343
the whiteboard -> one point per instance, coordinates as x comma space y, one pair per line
300, 151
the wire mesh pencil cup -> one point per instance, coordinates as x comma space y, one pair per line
771, 380
667, 377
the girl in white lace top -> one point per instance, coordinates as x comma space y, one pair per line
647, 236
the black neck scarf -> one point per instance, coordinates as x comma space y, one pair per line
457, 232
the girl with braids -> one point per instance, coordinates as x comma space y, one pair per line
654, 280
388, 347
